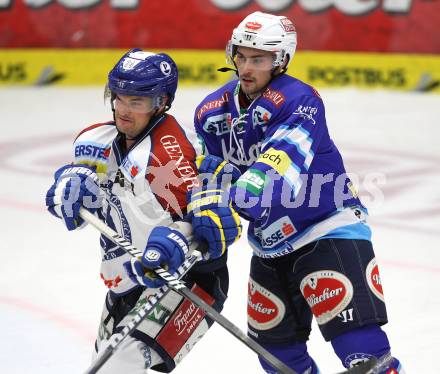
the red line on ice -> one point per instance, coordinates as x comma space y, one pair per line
22, 206
76, 327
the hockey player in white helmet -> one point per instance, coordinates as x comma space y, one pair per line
312, 250
265, 32
134, 172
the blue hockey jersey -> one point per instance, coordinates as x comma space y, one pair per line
294, 189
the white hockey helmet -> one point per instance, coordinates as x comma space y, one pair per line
266, 32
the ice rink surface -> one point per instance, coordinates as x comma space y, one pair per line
50, 291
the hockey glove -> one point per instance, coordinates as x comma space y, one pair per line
213, 218
166, 248
215, 170
74, 186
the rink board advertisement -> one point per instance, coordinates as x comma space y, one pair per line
398, 26
79, 67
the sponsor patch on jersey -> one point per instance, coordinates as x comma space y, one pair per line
260, 116
276, 97
92, 150
93, 154
277, 232
328, 293
278, 160
253, 181
214, 104
184, 167
265, 309
130, 168
307, 112
373, 279
218, 125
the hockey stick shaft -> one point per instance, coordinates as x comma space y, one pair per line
180, 288
117, 339
146, 306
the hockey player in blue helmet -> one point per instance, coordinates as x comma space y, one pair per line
134, 173
140, 73
151, 82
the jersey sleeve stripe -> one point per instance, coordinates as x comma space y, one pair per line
109, 123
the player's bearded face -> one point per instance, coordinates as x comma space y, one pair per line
254, 69
132, 114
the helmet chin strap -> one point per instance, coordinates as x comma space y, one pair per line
226, 69
283, 69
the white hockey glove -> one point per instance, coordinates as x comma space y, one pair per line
74, 186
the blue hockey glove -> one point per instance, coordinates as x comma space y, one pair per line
213, 218
166, 248
74, 186
215, 170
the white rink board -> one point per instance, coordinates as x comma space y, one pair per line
50, 291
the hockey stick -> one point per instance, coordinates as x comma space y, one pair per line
367, 367
181, 289
146, 306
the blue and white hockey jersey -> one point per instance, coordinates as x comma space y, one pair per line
144, 186
294, 188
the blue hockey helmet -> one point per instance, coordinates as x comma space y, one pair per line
141, 73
